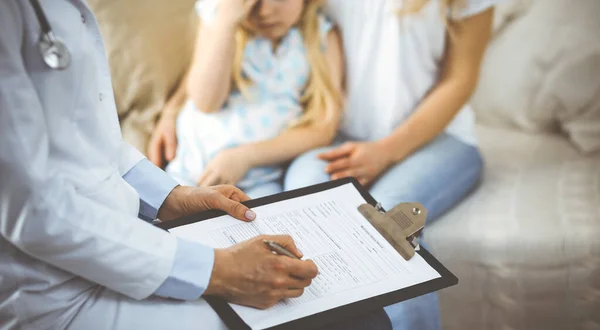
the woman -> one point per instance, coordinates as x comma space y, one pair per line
407, 133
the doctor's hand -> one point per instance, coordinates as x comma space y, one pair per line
228, 167
364, 161
163, 141
249, 274
183, 201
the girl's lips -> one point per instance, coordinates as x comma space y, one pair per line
267, 26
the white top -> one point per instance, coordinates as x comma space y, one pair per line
67, 214
392, 62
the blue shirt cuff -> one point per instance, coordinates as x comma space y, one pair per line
152, 184
190, 273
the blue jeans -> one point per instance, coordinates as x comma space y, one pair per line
264, 189
438, 176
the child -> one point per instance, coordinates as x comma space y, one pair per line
263, 88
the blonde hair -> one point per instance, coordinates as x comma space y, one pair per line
321, 99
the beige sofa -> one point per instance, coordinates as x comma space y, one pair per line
526, 244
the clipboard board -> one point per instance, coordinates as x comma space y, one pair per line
322, 319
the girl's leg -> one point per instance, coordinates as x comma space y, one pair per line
437, 176
264, 189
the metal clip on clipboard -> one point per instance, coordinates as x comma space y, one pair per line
401, 226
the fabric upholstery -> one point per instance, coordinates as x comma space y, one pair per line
508, 11
548, 61
526, 244
149, 44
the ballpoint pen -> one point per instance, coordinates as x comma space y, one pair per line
276, 247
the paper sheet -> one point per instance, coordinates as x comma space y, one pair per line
355, 262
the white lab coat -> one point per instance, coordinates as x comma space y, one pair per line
68, 221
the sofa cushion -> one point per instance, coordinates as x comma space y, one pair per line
526, 244
541, 73
149, 44
507, 11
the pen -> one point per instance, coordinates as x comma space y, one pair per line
274, 246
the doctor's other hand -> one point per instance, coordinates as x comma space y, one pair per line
249, 274
162, 145
183, 201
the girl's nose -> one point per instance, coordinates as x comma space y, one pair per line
265, 8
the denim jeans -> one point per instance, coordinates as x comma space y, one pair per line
439, 175
264, 189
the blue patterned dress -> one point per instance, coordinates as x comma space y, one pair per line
278, 80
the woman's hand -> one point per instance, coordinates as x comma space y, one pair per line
234, 11
163, 141
183, 201
228, 167
364, 161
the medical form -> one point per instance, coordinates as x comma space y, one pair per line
355, 262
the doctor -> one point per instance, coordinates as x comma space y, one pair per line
73, 253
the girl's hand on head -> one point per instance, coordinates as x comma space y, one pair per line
234, 11
364, 161
228, 167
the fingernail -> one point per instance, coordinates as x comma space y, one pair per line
250, 215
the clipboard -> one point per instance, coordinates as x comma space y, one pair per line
322, 319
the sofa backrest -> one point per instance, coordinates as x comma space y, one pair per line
542, 72
149, 44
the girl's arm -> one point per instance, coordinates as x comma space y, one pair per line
209, 80
209, 77
207, 86
458, 81
294, 142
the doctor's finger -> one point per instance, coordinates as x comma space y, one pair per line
298, 283
233, 208
301, 269
287, 242
232, 193
292, 293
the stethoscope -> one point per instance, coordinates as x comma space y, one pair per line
55, 53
